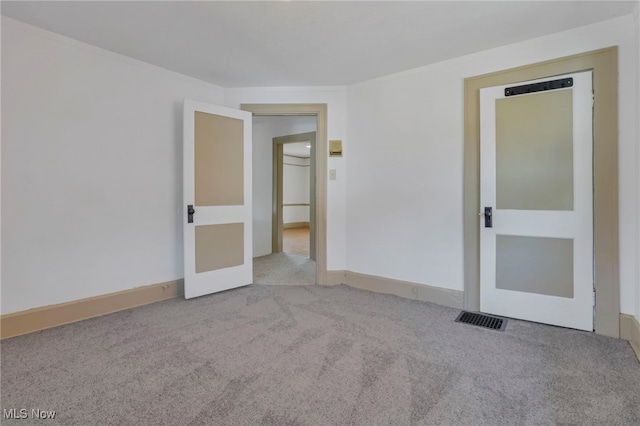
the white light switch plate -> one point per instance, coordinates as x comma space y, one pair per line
332, 174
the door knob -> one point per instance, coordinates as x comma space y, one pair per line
488, 217
190, 212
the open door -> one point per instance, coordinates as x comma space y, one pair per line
217, 199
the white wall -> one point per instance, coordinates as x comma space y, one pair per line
405, 174
336, 100
91, 169
296, 184
264, 130
91, 164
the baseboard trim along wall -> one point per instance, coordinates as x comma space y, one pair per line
18, 323
629, 325
336, 278
630, 330
292, 225
406, 289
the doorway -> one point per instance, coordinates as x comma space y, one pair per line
318, 212
603, 63
294, 194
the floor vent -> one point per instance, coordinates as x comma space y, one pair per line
482, 320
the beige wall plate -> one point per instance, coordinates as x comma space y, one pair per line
335, 148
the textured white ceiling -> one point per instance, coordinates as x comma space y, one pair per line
304, 43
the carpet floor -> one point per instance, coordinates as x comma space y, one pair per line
284, 269
309, 355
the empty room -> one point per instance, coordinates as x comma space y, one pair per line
320, 213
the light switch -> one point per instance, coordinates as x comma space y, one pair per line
332, 174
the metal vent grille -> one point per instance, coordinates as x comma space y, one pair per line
482, 320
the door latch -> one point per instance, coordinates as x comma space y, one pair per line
488, 217
190, 212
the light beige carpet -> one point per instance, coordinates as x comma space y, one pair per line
316, 356
284, 269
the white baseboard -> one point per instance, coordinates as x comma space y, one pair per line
630, 330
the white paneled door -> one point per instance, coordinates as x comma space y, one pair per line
217, 199
536, 198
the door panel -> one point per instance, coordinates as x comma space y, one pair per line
536, 175
535, 265
210, 255
534, 158
219, 173
217, 183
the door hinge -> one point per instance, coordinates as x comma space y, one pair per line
594, 298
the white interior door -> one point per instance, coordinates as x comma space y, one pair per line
536, 242
217, 199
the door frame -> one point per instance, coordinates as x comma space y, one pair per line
320, 112
604, 64
277, 225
